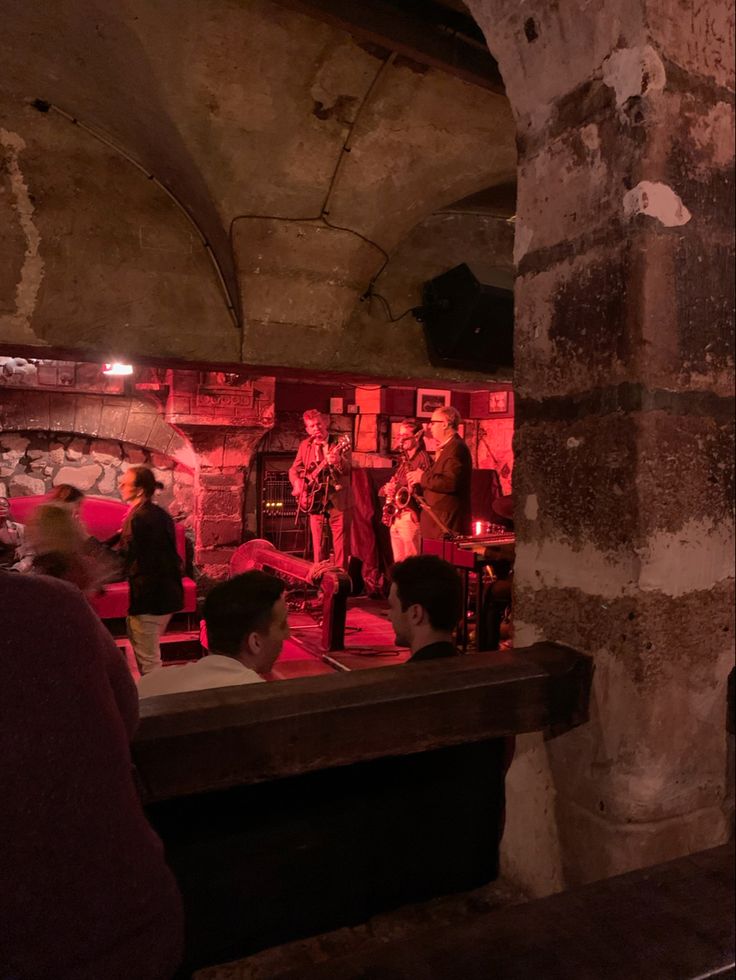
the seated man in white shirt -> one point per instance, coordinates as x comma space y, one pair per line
246, 620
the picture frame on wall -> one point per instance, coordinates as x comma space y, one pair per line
498, 402
430, 399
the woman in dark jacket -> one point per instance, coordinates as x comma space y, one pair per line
152, 564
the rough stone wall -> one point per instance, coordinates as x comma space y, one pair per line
624, 442
35, 462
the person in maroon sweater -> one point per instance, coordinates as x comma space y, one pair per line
84, 890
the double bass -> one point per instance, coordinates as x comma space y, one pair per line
317, 479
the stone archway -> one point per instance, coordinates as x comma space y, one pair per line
623, 480
47, 438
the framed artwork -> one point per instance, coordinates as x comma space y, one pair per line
337, 406
498, 402
429, 399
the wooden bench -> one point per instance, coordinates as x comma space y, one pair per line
674, 921
293, 808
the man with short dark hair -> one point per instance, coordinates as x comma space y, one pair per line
246, 622
424, 606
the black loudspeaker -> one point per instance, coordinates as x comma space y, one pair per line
467, 324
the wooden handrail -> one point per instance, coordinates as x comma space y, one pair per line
200, 741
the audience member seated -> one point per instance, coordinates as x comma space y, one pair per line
84, 892
424, 606
11, 536
246, 623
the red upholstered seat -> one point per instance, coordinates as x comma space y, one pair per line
102, 518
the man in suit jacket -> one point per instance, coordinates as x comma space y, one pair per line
336, 510
445, 486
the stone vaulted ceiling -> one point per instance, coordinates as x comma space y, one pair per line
303, 156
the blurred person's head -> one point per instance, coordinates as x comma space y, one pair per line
65, 493
246, 619
54, 529
425, 601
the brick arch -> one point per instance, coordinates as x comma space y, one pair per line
137, 421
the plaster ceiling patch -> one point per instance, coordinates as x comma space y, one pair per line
633, 72
16, 327
658, 201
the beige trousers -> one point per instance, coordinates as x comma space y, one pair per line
144, 633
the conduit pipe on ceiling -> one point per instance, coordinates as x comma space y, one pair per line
42, 105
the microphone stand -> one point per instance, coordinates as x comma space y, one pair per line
438, 521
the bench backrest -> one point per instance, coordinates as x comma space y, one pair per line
102, 517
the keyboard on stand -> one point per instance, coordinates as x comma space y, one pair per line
470, 554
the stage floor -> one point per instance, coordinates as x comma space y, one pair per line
369, 642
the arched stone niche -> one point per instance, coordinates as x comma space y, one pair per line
89, 441
624, 420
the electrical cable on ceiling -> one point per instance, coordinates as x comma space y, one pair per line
370, 294
347, 142
324, 210
43, 105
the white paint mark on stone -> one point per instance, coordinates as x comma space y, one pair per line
573, 442
633, 72
695, 558
590, 137
17, 326
658, 201
523, 235
531, 507
525, 634
555, 564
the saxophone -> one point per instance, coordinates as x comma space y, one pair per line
396, 492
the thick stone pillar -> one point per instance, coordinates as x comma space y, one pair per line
224, 416
624, 443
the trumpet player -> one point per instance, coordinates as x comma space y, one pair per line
400, 510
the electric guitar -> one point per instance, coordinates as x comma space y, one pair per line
315, 482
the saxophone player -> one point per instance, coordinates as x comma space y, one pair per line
400, 511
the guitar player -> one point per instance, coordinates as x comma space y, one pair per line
333, 490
